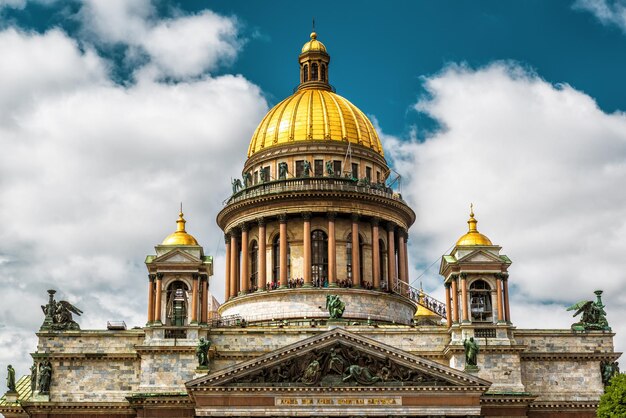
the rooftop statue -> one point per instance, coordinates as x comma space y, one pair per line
471, 354
335, 306
329, 168
282, 170
11, 378
247, 179
594, 315
236, 185
306, 168
202, 352
59, 314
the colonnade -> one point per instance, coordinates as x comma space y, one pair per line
237, 275
199, 299
459, 313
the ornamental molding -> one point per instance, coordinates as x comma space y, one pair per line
578, 356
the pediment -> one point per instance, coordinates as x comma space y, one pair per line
480, 256
338, 358
176, 256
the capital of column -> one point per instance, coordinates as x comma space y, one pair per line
282, 218
403, 233
306, 216
227, 238
260, 221
355, 217
447, 285
244, 226
375, 221
391, 226
463, 276
159, 276
195, 276
151, 277
331, 216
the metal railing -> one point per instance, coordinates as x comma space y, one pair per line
300, 184
420, 297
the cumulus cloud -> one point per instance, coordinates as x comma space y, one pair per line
608, 12
91, 175
179, 47
544, 167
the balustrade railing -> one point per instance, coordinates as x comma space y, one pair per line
312, 183
420, 297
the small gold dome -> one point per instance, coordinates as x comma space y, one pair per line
314, 114
313, 44
473, 237
180, 237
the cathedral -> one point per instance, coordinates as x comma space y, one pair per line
319, 316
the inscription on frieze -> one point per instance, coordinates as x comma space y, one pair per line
328, 401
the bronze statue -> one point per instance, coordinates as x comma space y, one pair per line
236, 185
11, 378
335, 306
329, 168
33, 377
282, 170
202, 352
45, 377
247, 179
608, 370
594, 315
262, 175
306, 168
471, 353
59, 314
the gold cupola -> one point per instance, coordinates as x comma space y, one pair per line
314, 113
180, 237
473, 237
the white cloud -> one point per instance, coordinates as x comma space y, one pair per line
178, 47
91, 175
608, 12
545, 168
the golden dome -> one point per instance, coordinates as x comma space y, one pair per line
473, 237
313, 44
314, 114
180, 237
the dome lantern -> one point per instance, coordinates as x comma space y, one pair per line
314, 62
473, 237
180, 237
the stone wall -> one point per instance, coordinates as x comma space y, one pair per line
565, 341
561, 380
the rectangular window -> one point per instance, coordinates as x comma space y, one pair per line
319, 168
355, 171
337, 167
266, 174
377, 176
368, 173
299, 168
256, 177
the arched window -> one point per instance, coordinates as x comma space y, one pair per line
382, 255
314, 71
276, 262
319, 258
177, 297
305, 73
349, 259
254, 266
480, 301
323, 78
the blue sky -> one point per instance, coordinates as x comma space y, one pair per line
112, 112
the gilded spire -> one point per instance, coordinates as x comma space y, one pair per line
472, 221
180, 237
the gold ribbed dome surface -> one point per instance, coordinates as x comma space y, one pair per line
313, 44
180, 237
314, 114
473, 237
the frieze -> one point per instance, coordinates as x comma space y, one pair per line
336, 401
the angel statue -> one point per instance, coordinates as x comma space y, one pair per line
335, 306
59, 314
594, 315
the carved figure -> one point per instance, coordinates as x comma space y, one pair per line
262, 176
594, 315
362, 375
329, 168
608, 370
247, 179
202, 352
45, 377
335, 306
282, 170
336, 363
33, 377
312, 373
471, 352
236, 185
59, 315
11, 378
306, 168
